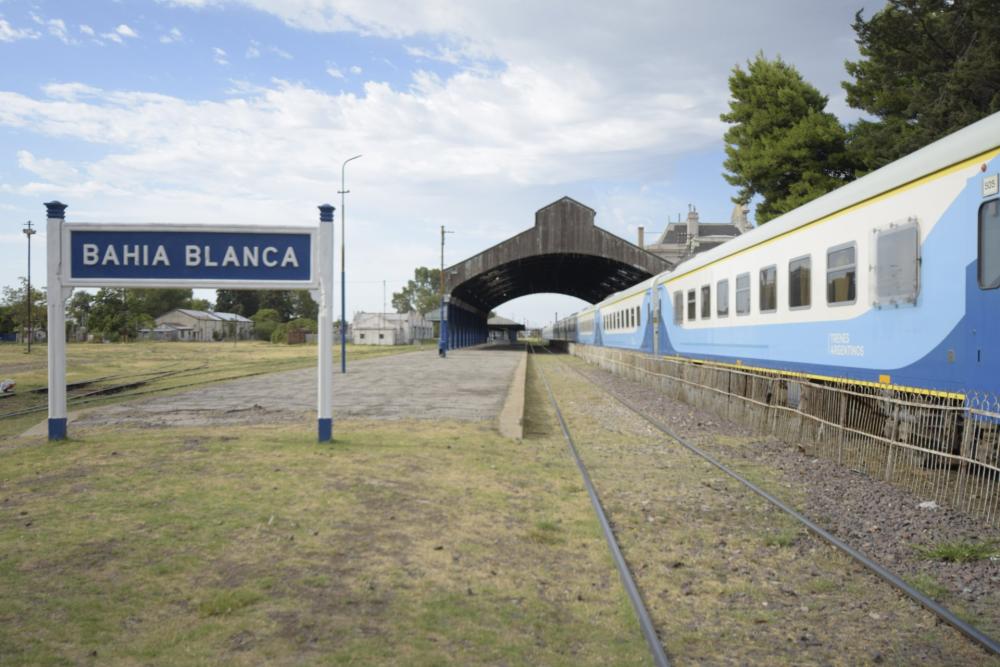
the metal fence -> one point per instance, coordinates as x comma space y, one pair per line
939, 447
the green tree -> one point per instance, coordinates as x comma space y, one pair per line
200, 304
156, 302
16, 303
279, 300
420, 294
109, 315
79, 307
304, 307
265, 321
927, 68
241, 302
782, 145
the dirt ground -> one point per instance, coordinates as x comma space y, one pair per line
728, 579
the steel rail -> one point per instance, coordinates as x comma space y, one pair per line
942, 612
645, 622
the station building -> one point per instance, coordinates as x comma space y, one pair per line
685, 238
390, 328
185, 324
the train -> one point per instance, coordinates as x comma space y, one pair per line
892, 280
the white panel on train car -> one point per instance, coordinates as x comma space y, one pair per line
991, 185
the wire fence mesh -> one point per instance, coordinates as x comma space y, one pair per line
941, 447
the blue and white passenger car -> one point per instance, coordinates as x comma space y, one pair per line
893, 279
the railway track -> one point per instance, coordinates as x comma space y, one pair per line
978, 637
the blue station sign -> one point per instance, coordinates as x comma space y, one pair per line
132, 255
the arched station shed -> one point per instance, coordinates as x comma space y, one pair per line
564, 253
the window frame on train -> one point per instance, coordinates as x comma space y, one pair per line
706, 302
801, 298
692, 305
679, 307
768, 289
993, 251
896, 265
722, 298
745, 291
844, 269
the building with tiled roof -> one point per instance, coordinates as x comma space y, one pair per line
685, 238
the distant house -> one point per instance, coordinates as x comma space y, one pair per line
200, 325
390, 328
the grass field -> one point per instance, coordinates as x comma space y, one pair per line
161, 366
402, 543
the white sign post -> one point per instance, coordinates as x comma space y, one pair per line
163, 255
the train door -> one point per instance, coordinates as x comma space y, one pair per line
987, 324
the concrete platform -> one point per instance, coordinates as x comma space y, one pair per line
469, 385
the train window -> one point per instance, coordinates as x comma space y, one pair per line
678, 307
841, 274
722, 298
692, 306
706, 302
638, 315
800, 282
897, 264
989, 244
769, 289
743, 294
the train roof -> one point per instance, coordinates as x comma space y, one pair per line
969, 142
627, 292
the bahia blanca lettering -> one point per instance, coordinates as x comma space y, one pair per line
194, 255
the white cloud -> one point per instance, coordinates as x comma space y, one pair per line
171, 37
591, 100
51, 170
87, 30
57, 28
126, 31
112, 36
281, 53
8, 33
254, 51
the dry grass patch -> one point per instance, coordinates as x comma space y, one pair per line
402, 543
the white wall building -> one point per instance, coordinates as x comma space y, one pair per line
390, 328
201, 325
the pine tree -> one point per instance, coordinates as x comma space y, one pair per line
782, 144
928, 68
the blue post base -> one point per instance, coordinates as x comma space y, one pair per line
325, 430
57, 429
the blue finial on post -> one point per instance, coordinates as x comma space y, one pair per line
326, 212
55, 209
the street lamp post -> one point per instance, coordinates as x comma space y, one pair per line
29, 231
343, 278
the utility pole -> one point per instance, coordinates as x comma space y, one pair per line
443, 328
382, 318
29, 231
343, 280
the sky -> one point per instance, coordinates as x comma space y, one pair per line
471, 115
